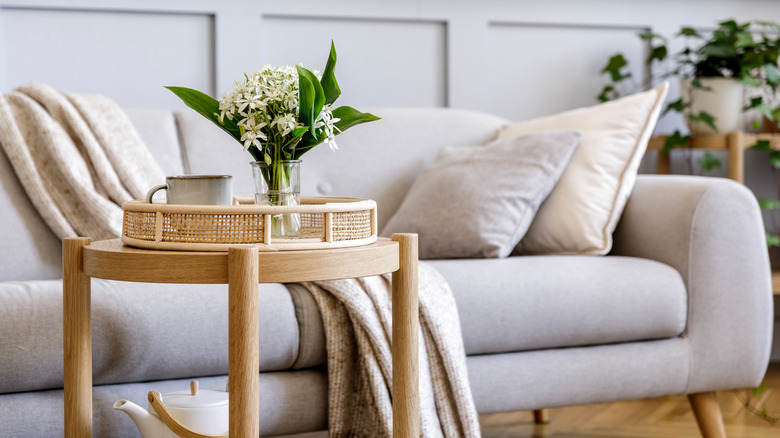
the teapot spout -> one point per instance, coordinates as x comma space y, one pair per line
148, 424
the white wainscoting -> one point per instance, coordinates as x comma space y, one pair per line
563, 60
125, 55
375, 66
516, 59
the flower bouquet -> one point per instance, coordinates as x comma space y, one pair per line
278, 114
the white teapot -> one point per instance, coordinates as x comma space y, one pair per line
189, 414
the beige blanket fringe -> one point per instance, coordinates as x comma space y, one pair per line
357, 316
77, 156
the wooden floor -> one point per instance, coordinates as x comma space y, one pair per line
649, 418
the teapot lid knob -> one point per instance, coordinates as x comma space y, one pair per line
194, 387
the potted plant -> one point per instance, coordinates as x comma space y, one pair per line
713, 70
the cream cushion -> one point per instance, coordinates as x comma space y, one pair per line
583, 209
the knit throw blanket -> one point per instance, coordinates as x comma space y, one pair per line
357, 317
77, 156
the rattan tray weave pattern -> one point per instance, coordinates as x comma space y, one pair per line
325, 223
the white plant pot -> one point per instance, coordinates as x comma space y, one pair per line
724, 102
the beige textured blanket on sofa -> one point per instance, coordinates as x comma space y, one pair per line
78, 158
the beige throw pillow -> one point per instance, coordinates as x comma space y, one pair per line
582, 211
478, 201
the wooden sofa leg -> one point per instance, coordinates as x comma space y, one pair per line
541, 416
707, 411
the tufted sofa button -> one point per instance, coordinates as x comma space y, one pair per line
324, 188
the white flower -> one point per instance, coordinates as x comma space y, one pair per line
251, 138
285, 123
327, 122
266, 104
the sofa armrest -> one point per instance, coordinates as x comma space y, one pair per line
712, 232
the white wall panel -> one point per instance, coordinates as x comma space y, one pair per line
380, 62
128, 56
537, 70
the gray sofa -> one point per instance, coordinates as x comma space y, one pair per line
682, 304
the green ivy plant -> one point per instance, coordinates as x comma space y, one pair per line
746, 51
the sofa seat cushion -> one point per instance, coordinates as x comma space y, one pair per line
140, 332
541, 302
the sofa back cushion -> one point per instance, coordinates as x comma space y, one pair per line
30, 250
158, 130
377, 160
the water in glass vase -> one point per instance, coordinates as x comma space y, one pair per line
279, 184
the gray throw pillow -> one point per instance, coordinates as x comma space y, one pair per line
478, 201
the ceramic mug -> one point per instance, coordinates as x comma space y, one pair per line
196, 189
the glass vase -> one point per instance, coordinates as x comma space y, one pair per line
279, 183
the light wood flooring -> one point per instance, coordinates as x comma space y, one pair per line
649, 418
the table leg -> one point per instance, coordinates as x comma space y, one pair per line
406, 398
243, 341
77, 339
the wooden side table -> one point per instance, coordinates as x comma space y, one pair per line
242, 268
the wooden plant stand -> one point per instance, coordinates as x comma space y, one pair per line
734, 143
242, 268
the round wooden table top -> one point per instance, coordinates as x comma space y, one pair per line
113, 260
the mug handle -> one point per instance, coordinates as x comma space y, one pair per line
154, 190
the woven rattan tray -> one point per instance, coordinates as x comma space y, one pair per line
325, 223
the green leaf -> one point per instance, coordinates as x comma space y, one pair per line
744, 39
768, 203
689, 31
350, 117
678, 106
758, 104
608, 93
762, 145
774, 159
729, 24
772, 74
329, 84
649, 36
772, 240
715, 50
675, 140
658, 52
312, 98
708, 162
754, 102
295, 138
765, 111
208, 107
768, 24
705, 118
615, 63
749, 80
696, 83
